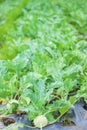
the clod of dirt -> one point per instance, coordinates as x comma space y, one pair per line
20, 113
8, 121
68, 123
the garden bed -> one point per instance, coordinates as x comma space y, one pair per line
43, 64
74, 119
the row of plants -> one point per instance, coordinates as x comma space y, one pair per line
43, 66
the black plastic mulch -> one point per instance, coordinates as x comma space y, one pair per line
78, 117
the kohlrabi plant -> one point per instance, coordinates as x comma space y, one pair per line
43, 66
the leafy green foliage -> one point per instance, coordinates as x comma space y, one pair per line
7, 19
44, 61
